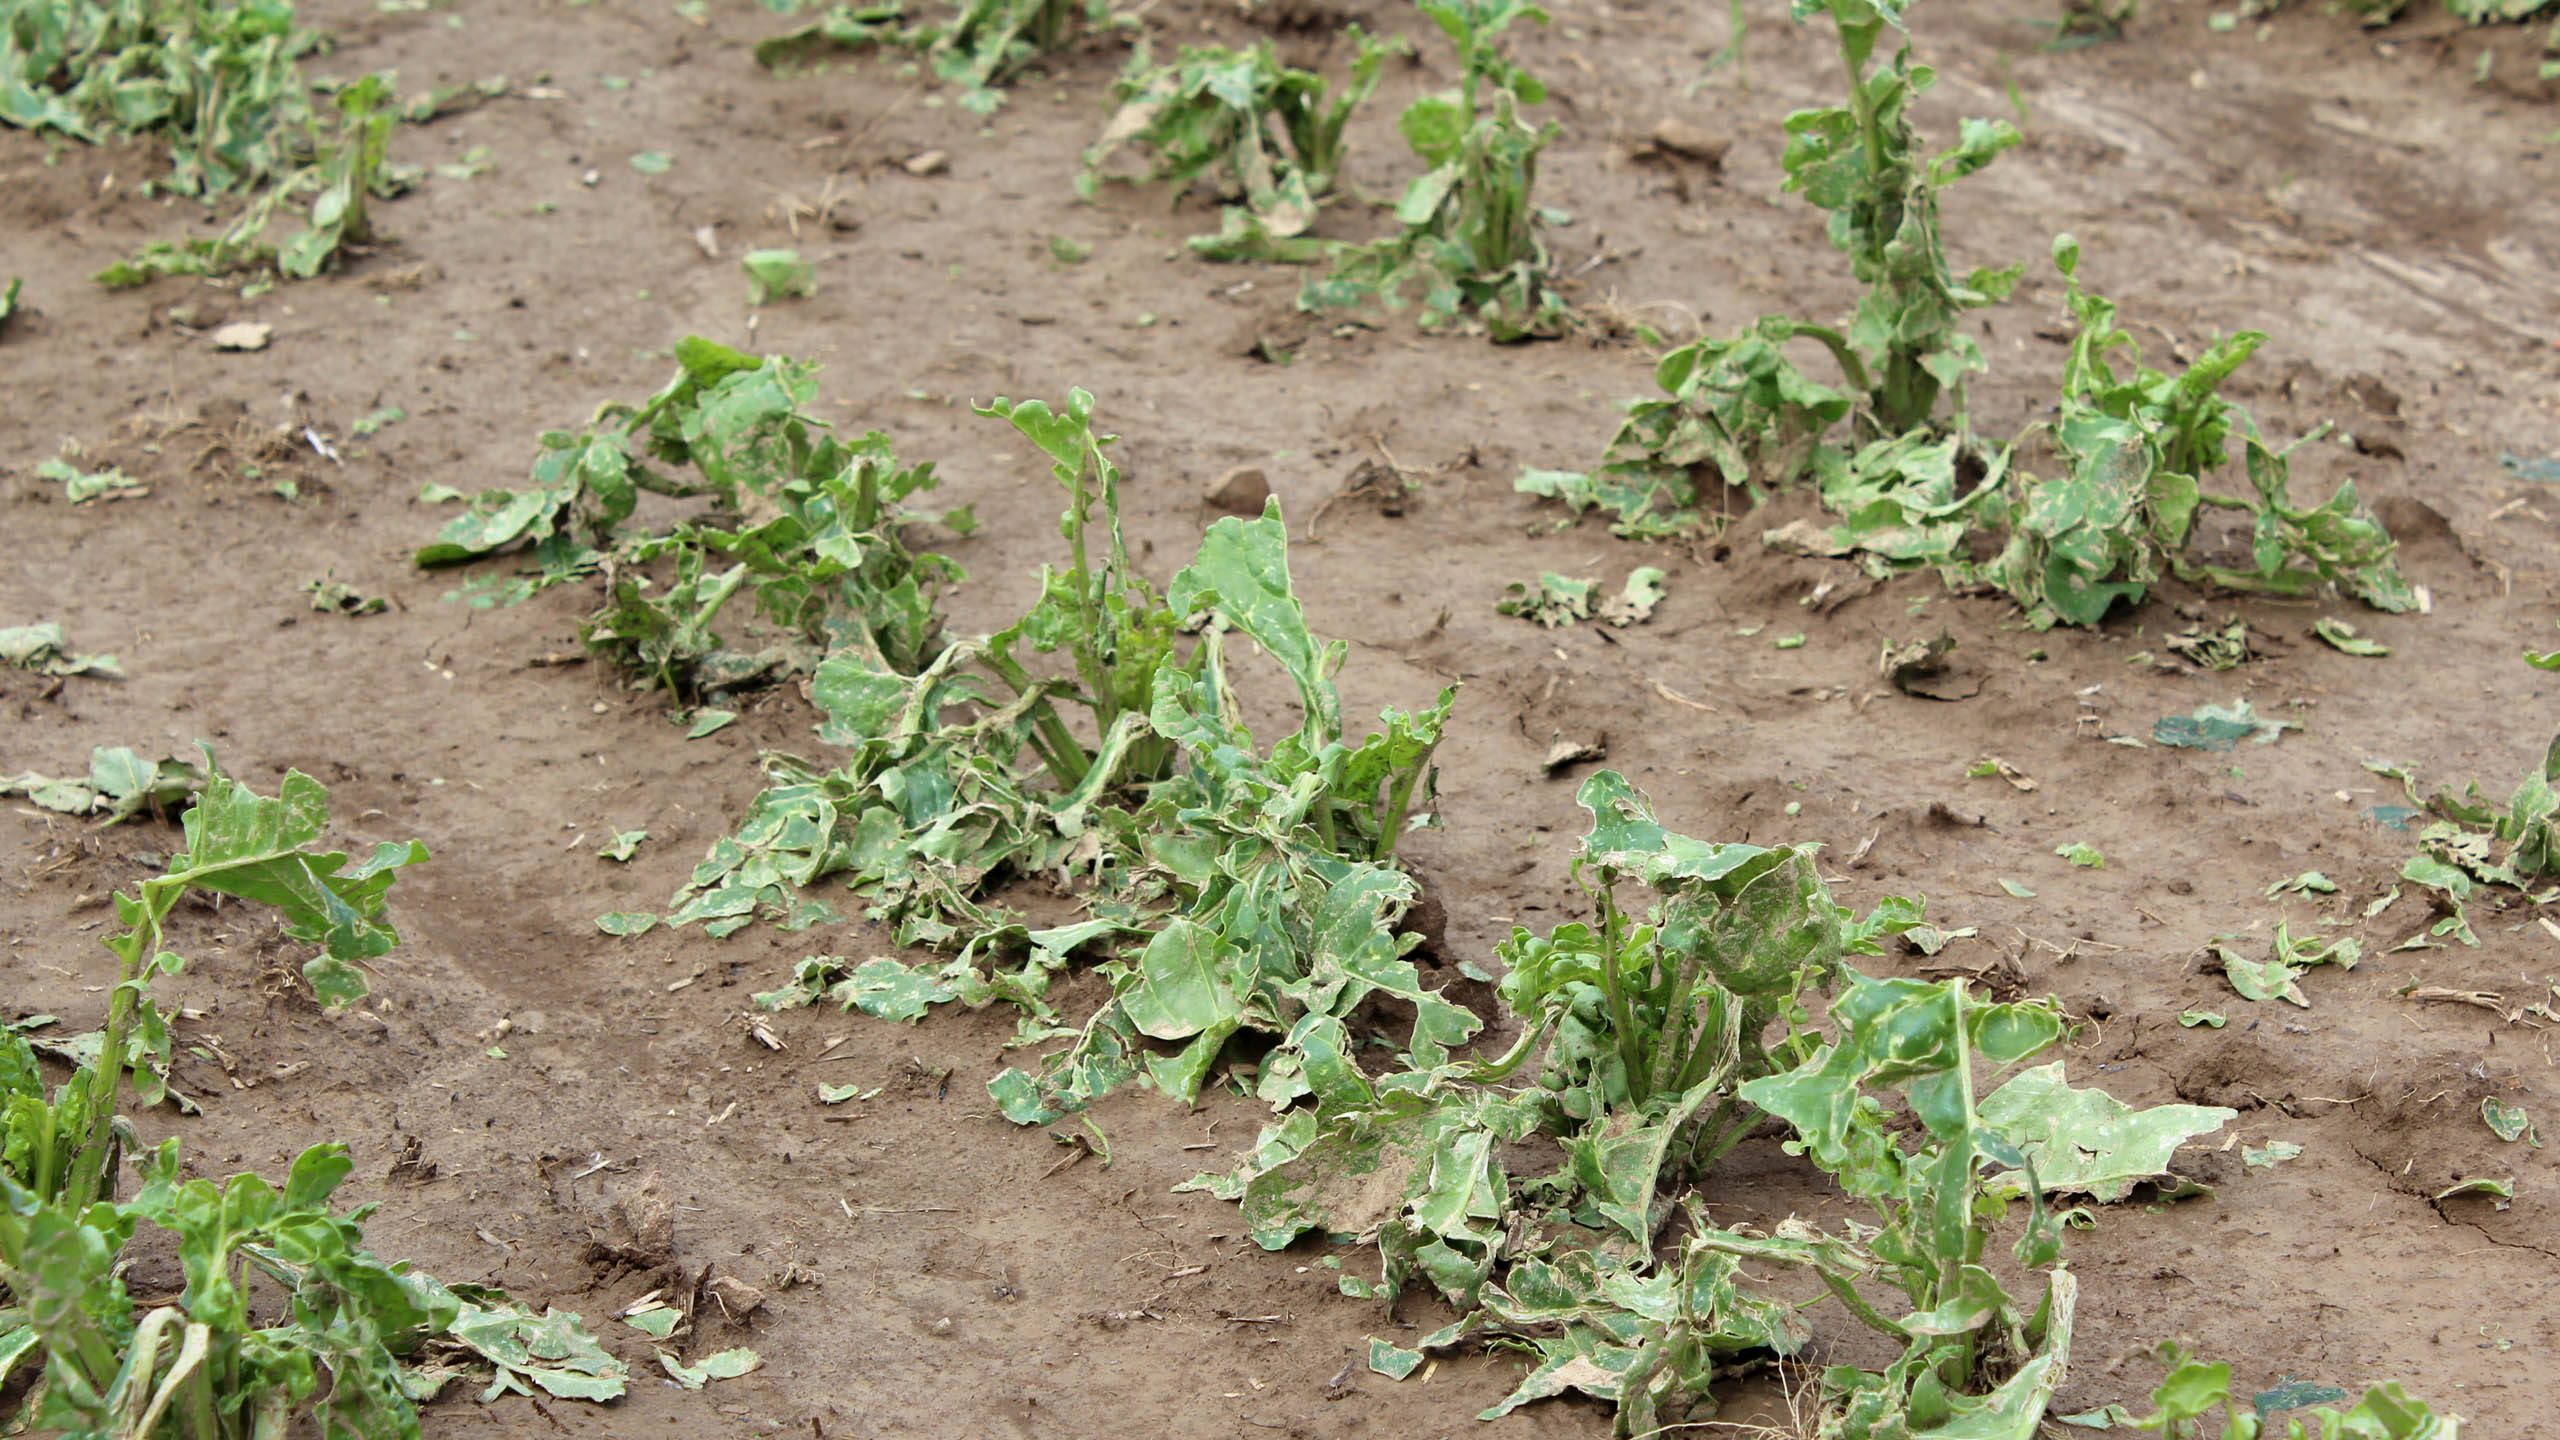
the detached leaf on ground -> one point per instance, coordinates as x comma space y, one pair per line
1635, 601
726, 1365
2219, 727
2081, 853
2508, 1122
625, 844
2342, 636
78, 488
1556, 600
39, 647
2269, 1155
331, 596
120, 785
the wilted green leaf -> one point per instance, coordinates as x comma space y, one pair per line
2497, 1189
2507, 1122
2209, 1018
2342, 636
2016, 889
2219, 727
625, 844
2082, 854
1555, 600
2087, 1141
652, 162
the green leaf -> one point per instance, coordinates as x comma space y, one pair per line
2497, 1189
2219, 727
626, 922
2208, 1018
2016, 889
2342, 636
2081, 854
2261, 979
652, 162
2507, 1122
2087, 1141
625, 844
777, 275
657, 1323
2270, 1155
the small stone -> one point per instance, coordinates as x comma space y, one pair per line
243, 335
736, 1298
1694, 142
929, 162
1241, 491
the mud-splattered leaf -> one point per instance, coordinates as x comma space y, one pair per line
2269, 1155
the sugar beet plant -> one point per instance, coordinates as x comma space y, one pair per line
1468, 238
1643, 1056
977, 46
358, 1339
1095, 743
1098, 742
824, 567
1741, 407
2136, 446
220, 82
1272, 136
1913, 487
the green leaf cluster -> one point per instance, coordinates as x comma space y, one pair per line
120, 785
978, 46
809, 528
349, 165
1744, 408
219, 81
1272, 134
1469, 237
1643, 1048
2182, 1407
2475, 842
1915, 489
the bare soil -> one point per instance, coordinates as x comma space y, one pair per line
933, 1270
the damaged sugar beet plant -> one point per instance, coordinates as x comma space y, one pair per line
1644, 1058
1914, 487
807, 528
356, 1341
1270, 134
1097, 742
1468, 236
